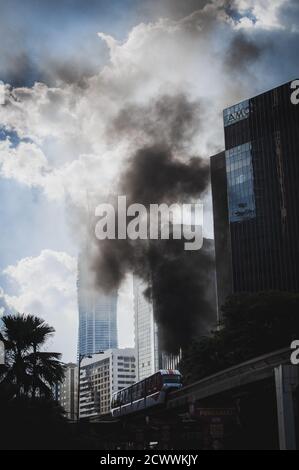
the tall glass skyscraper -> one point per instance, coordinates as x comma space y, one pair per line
97, 313
259, 174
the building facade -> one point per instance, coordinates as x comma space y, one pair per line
262, 174
66, 392
97, 313
221, 230
101, 376
148, 356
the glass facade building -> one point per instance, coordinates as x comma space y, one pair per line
241, 200
97, 314
262, 174
221, 229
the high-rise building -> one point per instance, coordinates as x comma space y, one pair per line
146, 332
97, 313
150, 344
260, 184
66, 392
103, 374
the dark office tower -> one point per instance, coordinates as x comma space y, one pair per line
262, 172
221, 229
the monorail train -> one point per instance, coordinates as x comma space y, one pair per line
149, 392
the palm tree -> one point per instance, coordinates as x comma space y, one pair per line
28, 368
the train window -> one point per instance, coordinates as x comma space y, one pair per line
148, 385
141, 389
116, 400
127, 396
151, 384
136, 392
159, 380
172, 379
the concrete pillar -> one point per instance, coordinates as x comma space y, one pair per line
286, 381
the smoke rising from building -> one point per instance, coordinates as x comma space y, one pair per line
161, 171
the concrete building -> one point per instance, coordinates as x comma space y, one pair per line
66, 392
101, 376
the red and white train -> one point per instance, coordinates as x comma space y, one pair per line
147, 393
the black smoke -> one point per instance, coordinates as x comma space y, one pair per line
242, 52
180, 283
154, 175
182, 291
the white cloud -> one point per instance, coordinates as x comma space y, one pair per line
45, 286
266, 12
25, 164
71, 152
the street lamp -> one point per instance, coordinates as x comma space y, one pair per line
80, 359
2, 356
2, 353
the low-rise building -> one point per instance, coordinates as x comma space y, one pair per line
101, 376
66, 392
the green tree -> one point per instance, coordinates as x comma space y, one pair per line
252, 325
29, 369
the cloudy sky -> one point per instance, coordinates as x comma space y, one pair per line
68, 68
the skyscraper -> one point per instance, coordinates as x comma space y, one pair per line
260, 184
149, 354
146, 332
221, 229
97, 313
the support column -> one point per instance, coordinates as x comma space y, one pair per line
286, 381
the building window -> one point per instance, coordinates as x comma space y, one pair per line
241, 200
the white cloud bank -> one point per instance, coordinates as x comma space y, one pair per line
70, 152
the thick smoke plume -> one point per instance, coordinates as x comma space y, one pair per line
180, 283
155, 176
